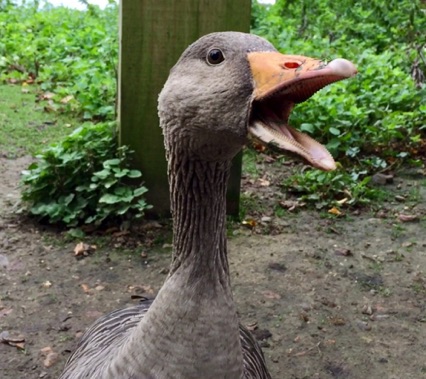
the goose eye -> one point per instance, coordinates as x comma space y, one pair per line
215, 56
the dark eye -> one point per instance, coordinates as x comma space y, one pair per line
215, 56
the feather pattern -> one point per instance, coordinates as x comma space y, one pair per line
112, 330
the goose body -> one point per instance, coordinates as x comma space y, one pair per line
224, 87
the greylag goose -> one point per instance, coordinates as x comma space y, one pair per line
224, 87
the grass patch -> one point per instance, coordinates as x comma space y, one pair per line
25, 128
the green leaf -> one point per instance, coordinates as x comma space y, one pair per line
307, 128
134, 174
139, 191
334, 131
110, 199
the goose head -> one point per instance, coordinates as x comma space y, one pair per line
229, 86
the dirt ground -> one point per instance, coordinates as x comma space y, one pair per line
328, 298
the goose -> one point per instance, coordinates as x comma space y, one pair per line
225, 87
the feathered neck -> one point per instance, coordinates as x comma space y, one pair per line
198, 199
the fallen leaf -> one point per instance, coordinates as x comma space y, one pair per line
407, 218
50, 356
86, 288
46, 96
259, 147
291, 205
66, 99
264, 182
18, 341
271, 295
83, 249
335, 211
250, 223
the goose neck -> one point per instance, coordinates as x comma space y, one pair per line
198, 199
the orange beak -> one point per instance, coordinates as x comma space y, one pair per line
280, 82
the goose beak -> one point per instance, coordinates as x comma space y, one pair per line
280, 82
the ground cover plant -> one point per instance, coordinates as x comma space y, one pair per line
72, 55
372, 123
84, 179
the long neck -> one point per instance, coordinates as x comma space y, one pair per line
193, 320
198, 190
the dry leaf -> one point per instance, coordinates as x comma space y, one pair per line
50, 356
250, 223
46, 96
291, 205
18, 341
271, 295
83, 249
264, 182
335, 211
66, 99
86, 288
407, 218
343, 201
259, 147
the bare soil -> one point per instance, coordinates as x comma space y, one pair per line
327, 297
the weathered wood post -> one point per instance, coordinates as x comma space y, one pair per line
153, 34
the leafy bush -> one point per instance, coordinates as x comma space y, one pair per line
84, 179
325, 189
372, 120
72, 54
383, 105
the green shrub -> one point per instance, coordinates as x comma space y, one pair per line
71, 54
326, 189
83, 179
374, 119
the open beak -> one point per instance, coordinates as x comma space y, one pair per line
280, 82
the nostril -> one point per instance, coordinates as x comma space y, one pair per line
292, 65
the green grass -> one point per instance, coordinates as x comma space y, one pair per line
250, 158
25, 128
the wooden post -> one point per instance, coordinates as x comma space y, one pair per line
153, 34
